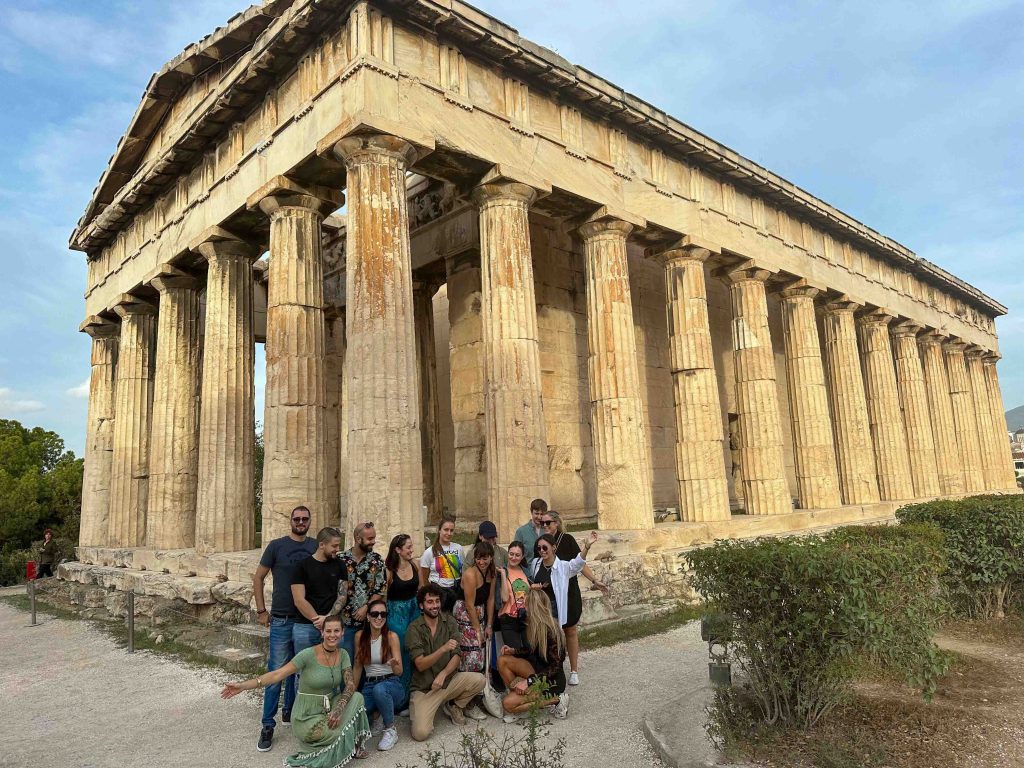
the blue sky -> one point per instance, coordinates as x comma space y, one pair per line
907, 115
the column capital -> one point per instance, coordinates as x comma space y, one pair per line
678, 254
99, 328
281, 193
502, 175
128, 305
504, 191
607, 220
166, 277
744, 272
932, 337
955, 345
371, 147
429, 285
906, 328
218, 242
841, 303
800, 289
973, 350
875, 316
991, 357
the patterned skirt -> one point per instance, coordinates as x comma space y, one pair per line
469, 641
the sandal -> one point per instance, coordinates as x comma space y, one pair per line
361, 753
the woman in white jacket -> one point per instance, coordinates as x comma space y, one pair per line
552, 575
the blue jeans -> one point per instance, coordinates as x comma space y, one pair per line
305, 636
383, 696
282, 649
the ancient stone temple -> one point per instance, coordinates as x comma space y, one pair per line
482, 275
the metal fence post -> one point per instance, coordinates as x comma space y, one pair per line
32, 600
131, 621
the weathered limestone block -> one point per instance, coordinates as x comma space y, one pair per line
914, 401
224, 500
430, 430
516, 441
855, 456
174, 440
133, 402
295, 416
1008, 478
386, 473
990, 450
940, 411
99, 438
762, 462
622, 463
237, 592
888, 435
334, 369
814, 450
700, 458
965, 419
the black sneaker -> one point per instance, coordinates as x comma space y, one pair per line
266, 739
286, 718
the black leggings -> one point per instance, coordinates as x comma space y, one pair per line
513, 632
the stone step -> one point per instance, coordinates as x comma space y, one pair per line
252, 636
237, 659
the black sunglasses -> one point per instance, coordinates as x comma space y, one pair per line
378, 614
300, 519
547, 522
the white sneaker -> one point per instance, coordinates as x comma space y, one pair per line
389, 739
377, 726
574, 679
473, 713
404, 713
510, 717
561, 709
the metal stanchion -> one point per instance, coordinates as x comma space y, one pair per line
131, 622
32, 600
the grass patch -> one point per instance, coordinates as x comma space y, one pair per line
631, 629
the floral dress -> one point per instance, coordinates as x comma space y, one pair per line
320, 745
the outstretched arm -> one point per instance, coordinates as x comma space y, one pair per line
279, 674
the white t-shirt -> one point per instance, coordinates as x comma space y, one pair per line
445, 569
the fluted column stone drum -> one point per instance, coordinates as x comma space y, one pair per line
914, 402
99, 432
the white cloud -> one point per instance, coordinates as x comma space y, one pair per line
82, 390
11, 404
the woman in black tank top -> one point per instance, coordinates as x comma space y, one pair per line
402, 581
474, 613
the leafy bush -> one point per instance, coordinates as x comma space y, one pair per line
984, 546
808, 611
12, 559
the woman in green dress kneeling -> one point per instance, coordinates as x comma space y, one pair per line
330, 726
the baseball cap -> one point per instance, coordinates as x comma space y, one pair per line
488, 529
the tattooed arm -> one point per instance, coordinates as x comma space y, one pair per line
334, 718
339, 603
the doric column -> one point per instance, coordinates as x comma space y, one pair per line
99, 432
133, 403
700, 458
855, 456
759, 423
814, 452
965, 420
983, 416
914, 401
1007, 475
430, 430
174, 439
888, 435
295, 413
386, 473
940, 410
334, 369
622, 464
516, 440
225, 511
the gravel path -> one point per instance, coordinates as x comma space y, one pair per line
70, 697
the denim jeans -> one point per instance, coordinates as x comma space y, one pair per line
282, 649
383, 696
305, 636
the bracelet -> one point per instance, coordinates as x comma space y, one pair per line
259, 681
261, 611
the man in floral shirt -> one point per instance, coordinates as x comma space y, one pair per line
365, 580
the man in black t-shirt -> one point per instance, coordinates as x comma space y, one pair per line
315, 588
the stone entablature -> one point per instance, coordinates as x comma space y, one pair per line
612, 149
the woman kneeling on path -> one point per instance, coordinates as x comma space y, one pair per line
378, 654
330, 729
542, 656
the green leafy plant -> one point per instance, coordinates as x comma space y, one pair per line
808, 612
984, 545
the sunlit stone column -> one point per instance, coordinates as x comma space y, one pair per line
174, 440
814, 448
386, 468
133, 403
700, 461
983, 416
888, 435
334, 367
940, 410
1007, 476
225, 512
621, 462
430, 429
855, 456
914, 401
965, 420
99, 433
295, 414
759, 423
516, 442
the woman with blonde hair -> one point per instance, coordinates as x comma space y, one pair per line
542, 657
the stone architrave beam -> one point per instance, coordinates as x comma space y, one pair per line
99, 438
133, 402
914, 401
174, 440
940, 410
622, 463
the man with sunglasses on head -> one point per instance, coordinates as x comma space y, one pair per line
280, 558
365, 579
529, 532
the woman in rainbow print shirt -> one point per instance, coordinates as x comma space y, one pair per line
442, 564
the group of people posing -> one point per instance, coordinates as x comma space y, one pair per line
357, 640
